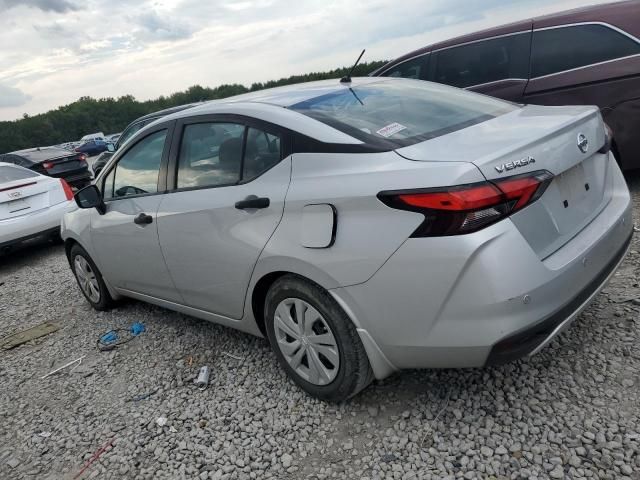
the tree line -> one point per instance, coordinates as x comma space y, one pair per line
111, 115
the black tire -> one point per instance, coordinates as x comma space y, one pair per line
105, 301
354, 372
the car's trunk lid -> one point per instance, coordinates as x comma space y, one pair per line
60, 166
529, 139
22, 197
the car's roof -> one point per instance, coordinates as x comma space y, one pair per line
40, 154
271, 104
289, 95
166, 111
591, 13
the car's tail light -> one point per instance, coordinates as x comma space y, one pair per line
68, 191
468, 208
47, 165
608, 139
82, 157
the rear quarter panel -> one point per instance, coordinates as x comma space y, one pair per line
368, 232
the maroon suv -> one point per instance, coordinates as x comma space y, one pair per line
586, 56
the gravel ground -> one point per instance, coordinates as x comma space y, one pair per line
573, 411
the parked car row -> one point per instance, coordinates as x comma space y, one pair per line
588, 56
495, 223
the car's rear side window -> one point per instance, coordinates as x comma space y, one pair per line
400, 112
564, 48
215, 154
210, 155
484, 61
414, 68
11, 174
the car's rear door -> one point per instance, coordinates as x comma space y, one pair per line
229, 187
125, 237
496, 66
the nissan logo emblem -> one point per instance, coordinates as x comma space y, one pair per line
583, 143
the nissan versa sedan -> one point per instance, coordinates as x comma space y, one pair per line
363, 226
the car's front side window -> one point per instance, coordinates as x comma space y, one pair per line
137, 171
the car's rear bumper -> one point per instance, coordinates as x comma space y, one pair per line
532, 339
41, 222
462, 301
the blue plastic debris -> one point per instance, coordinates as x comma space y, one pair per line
112, 340
136, 329
109, 337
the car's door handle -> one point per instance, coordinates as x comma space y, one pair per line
143, 219
253, 202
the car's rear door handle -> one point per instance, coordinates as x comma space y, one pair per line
253, 202
143, 219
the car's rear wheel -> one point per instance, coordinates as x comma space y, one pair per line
89, 278
314, 340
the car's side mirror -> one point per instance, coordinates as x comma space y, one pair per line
90, 197
111, 147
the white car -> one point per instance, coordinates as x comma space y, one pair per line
31, 204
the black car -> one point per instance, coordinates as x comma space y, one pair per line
54, 162
132, 128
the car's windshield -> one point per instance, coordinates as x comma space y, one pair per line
10, 174
401, 112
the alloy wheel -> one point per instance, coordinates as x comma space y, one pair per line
306, 341
87, 278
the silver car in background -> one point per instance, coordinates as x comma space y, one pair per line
363, 227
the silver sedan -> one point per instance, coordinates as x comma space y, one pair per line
363, 227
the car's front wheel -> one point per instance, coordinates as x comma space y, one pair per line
314, 340
89, 278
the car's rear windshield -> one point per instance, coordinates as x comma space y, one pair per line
11, 174
401, 112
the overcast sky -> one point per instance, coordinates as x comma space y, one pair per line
54, 51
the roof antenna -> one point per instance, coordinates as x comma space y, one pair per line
347, 77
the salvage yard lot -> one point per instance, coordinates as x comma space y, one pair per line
572, 411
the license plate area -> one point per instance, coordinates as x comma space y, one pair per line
573, 186
15, 206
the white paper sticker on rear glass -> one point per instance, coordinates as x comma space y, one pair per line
390, 129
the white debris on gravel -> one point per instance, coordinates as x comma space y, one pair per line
573, 411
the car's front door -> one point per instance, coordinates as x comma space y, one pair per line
228, 198
125, 237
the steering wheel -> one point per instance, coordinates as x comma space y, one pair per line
129, 190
